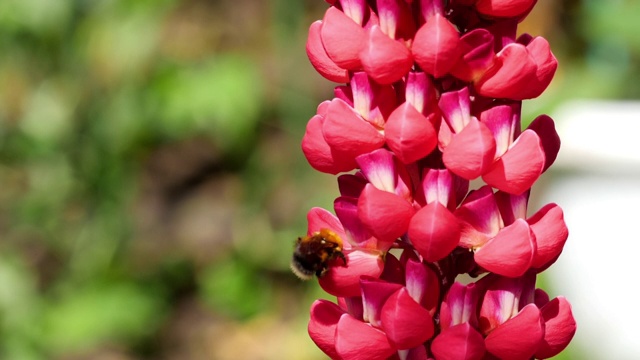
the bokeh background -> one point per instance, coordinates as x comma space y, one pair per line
151, 179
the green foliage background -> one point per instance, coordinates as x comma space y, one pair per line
151, 181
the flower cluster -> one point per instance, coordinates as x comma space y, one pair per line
431, 99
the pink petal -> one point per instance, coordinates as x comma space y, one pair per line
459, 306
544, 126
342, 38
470, 152
374, 294
374, 102
385, 214
358, 340
344, 280
421, 92
434, 232
417, 353
511, 252
319, 218
319, 58
355, 9
477, 49
438, 185
323, 324
319, 154
351, 185
396, 19
409, 134
504, 8
480, 218
406, 323
423, 285
352, 305
560, 326
512, 207
430, 8
546, 65
504, 32
503, 299
348, 133
435, 46
461, 342
346, 209
456, 108
378, 167
512, 72
519, 337
551, 234
504, 123
385, 60
517, 170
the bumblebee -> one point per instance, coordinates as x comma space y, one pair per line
313, 254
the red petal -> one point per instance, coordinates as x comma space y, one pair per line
517, 170
544, 126
357, 340
319, 218
438, 185
551, 233
470, 152
519, 337
385, 214
546, 65
423, 285
503, 121
421, 92
560, 326
512, 73
504, 8
511, 206
348, 133
344, 280
385, 60
319, 58
435, 46
379, 168
323, 324
417, 353
460, 342
374, 294
351, 185
480, 218
319, 154
511, 252
342, 38
456, 108
406, 323
477, 49
434, 232
459, 305
409, 134
346, 209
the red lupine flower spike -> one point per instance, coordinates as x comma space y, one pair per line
431, 100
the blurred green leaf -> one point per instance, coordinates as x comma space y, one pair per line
234, 289
101, 312
222, 98
40, 16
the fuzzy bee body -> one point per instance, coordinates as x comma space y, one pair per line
313, 254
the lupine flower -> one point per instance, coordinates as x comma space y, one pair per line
429, 102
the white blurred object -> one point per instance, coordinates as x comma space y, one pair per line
599, 136
600, 196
